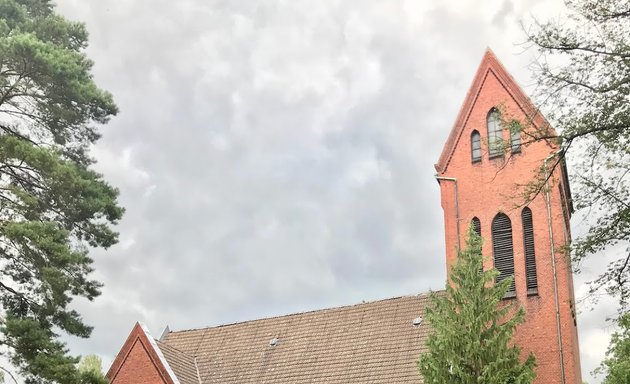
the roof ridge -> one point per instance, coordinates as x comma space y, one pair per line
197, 370
422, 294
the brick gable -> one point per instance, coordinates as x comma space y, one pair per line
140, 361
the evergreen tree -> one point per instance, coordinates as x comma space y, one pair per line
53, 207
472, 328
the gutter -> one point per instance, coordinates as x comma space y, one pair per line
553, 265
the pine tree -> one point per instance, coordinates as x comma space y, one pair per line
472, 328
53, 207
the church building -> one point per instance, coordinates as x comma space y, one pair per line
488, 158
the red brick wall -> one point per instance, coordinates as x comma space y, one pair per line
138, 368
489, 187
138, 361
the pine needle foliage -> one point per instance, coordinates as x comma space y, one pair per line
472, 328
53, 207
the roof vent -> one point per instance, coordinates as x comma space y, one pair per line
417, 321
273, 342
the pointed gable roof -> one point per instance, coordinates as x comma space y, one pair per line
140, 337
489, 65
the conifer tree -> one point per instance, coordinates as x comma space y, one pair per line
53, 207
472, 328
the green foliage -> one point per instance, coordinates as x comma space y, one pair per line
616, 366
91, 369
584, 87
472, 328
53, 207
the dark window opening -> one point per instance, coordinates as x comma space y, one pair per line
476, 223
475, 146
503, 250
530, 254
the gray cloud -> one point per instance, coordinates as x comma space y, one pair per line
276, 156
503, 14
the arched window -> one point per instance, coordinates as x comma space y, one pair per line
503, 250
475, 146
530, 255
495, 136
476, 225
515, 137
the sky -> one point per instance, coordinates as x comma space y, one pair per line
276, 156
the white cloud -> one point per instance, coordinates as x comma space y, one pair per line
277, 156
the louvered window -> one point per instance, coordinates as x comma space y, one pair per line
475, 146
476, 225
530, 255
503, 250
495, 136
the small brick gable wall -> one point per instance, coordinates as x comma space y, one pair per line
138, 361
138, 368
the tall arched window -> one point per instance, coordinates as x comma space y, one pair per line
476, 223
515, 137
503, 249
475, 146
530, 255
495, 136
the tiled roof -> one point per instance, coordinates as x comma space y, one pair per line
182, 364
374, 342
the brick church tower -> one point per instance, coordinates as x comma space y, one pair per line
479, 171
